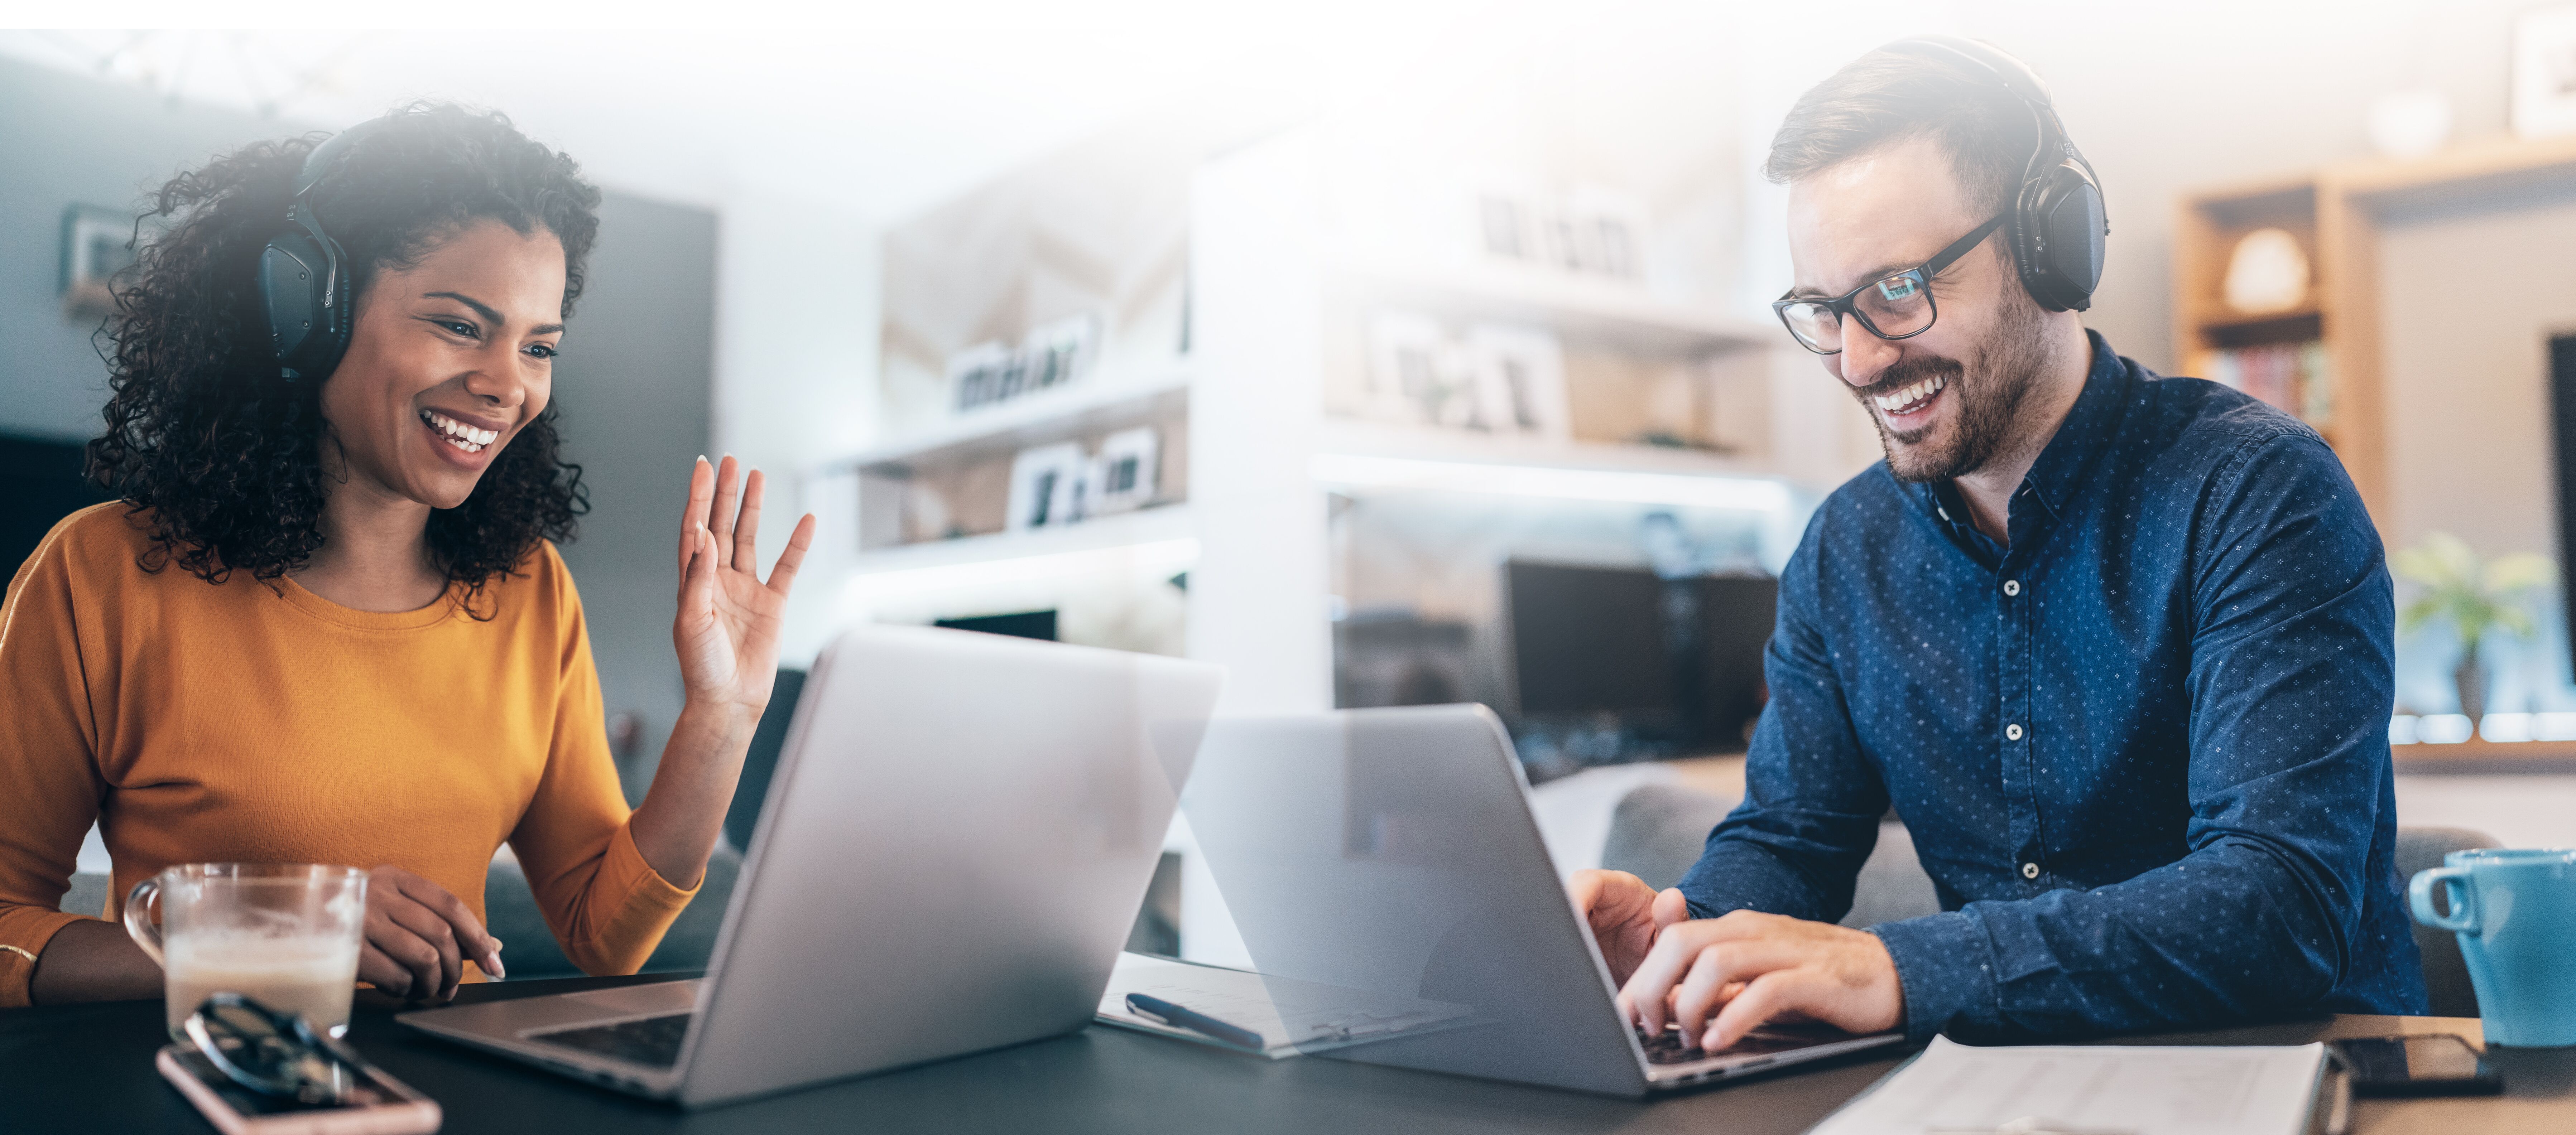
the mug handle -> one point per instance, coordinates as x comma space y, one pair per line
145, 934
2419, 895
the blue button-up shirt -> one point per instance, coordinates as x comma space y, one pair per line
2142, 748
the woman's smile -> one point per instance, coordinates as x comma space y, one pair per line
467, 441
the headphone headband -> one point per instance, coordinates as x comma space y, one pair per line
324, 157
2015, 75
303, 278
2057, 217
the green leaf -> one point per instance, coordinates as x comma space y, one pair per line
2518, 571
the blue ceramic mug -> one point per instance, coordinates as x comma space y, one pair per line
2515, 913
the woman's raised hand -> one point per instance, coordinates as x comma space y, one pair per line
727, 629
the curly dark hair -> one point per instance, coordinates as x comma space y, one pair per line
222, 451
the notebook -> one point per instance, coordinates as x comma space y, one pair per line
1293, 1017
1957, 1089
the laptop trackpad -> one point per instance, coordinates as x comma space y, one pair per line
658, 997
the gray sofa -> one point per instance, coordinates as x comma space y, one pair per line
1658, 831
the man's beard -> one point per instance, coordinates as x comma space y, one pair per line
1987, 395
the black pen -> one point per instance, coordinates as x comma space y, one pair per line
1157, 1009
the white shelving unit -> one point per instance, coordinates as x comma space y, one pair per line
1378, 439
1095, 400
1270, 286
1090, 407
1032, 551
1269, 290
1578, 308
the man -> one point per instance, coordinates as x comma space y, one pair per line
2118, 648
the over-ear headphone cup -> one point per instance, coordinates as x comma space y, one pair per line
304, 290
2073, 224
291, 272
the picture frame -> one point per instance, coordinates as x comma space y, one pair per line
97, 243
1051, 355
977, 375
1417, 375
1049, 484
1061, 351
1520, 379
1609, 228
2544, 72
1127, 472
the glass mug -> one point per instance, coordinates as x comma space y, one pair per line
284, 934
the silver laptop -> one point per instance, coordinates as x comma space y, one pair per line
958, 837
1393, 851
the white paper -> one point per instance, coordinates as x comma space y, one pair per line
2133, 1090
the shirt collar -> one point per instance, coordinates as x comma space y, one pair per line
2085, 433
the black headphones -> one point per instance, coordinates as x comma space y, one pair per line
2057, 219
303, 278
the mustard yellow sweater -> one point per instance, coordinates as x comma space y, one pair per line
252, 722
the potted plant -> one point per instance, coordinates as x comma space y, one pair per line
2474, 597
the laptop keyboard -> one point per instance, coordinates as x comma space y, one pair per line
651, 1041
1672, 1048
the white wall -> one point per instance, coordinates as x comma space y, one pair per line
797, 301
2472, 292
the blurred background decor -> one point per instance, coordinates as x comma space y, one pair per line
98, 243
2475, 598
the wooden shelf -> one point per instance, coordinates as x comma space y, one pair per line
1582, 309
2471, 167
2254, 330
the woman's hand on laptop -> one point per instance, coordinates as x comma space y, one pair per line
1721, 977
419, 937
1625, 914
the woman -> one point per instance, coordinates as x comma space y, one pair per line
326, 623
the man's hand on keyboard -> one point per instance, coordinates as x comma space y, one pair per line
1719, 978
1625, 914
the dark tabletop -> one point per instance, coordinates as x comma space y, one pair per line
89, 1068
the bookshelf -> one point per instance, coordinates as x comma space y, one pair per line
2335, 213
965, 460
1279, 433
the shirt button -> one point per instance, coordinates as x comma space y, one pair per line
2012, 732
2030, 870
2012, 587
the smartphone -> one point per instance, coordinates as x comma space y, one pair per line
391, 1107
2431, 1064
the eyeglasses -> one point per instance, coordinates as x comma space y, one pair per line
277, 1054
1897, 307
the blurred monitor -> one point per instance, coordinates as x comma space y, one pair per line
1676, 662
1020, 624
1588, 639
40, 483
1735, 613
